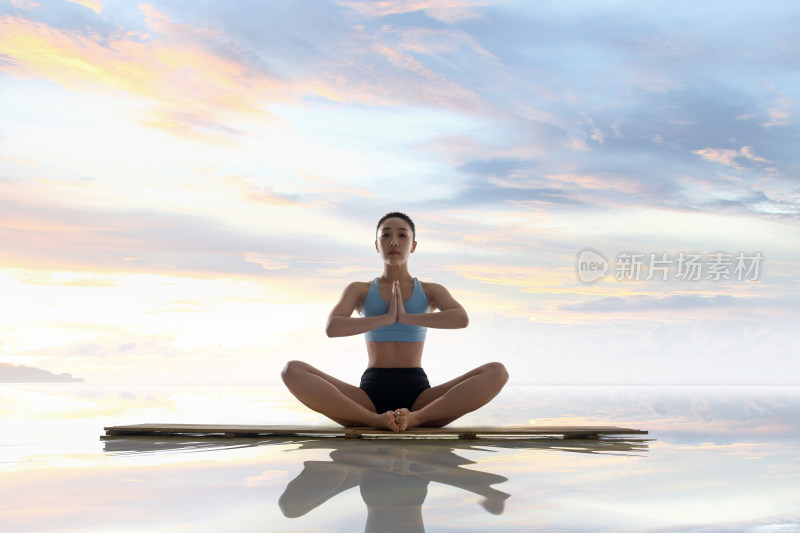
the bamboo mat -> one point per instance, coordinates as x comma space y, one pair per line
470, 433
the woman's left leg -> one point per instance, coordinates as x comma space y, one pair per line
343, 403
440, 405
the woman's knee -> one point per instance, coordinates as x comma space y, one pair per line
497, 371
292, 370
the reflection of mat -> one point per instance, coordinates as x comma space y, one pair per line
262, 432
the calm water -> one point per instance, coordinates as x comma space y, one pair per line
716, 459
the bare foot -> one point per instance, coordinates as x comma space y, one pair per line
405, 419
386, 420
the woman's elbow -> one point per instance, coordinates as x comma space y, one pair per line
332, 332
334, 328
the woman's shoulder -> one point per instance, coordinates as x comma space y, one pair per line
433, 291
358, 288
358, 285
354, 294
430, 285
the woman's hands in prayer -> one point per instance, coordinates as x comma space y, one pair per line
396, 307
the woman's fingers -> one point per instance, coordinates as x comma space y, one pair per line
396, 307
401, 309
393, 302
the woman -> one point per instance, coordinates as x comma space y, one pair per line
394, 392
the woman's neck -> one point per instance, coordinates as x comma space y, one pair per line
395, 272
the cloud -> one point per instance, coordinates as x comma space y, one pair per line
63, 236
518, 132
382, 72
266, 262
758, 202
94, 5
187, 86
616, 304
507, 180
66, 279
205, 79
264, 194
681, 308
445, 11
780, 114
731, 157
528, 278
42, 233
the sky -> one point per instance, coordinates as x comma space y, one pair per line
609, 188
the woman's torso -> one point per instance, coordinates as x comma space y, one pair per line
392, 354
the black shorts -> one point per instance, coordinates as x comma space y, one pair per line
393, 388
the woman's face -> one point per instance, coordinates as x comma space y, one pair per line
395, 240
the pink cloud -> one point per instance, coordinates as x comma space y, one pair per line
186, 85
731, 157
444, 10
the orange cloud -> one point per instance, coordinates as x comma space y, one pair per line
262, 195
266, 262
528, 278
439, 89
94, 5
183, 82
600, 181
192, 89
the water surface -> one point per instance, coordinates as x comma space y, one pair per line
716, 459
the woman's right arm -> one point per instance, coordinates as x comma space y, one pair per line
342, 324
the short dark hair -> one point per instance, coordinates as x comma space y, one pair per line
398, 214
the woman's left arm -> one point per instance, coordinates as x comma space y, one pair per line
450, 314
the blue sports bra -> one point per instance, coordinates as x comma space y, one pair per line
375, 305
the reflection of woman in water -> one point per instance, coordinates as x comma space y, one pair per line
393, 481
394, 392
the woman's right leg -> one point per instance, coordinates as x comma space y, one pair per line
343, 403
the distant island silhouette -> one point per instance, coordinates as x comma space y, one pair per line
27, 374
